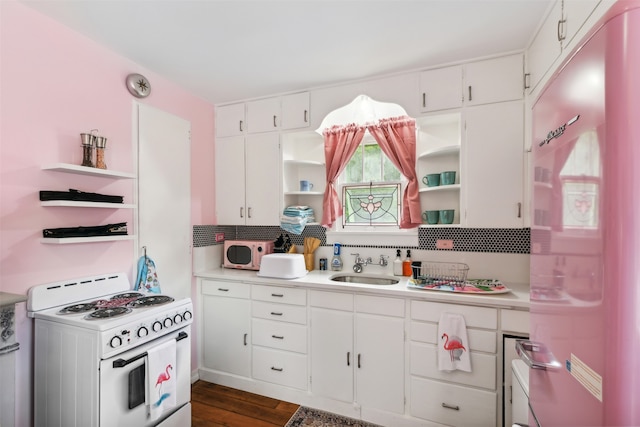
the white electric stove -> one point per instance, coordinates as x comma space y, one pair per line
91, 339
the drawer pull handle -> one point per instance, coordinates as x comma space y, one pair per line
277, 295
245, 339
454, 407
223, 290
273, 368
348, 358
278, 337
273, 313
358, 360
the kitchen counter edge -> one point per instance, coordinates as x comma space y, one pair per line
518, 298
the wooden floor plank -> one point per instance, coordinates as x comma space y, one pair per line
219, 406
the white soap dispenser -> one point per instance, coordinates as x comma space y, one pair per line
397, 265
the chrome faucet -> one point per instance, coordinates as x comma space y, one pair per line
361, 262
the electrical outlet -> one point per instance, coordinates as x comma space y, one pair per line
219, 237
444, 244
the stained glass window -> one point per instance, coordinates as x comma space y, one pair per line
373, 204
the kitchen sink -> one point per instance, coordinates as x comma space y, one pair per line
365, 279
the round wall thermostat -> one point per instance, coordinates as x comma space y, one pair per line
138, 85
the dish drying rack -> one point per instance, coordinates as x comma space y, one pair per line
451, 273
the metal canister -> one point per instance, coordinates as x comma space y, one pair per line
323, 263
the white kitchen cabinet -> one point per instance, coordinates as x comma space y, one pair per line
263, 115
279, 335
296, 113
494, 80
325, 100
493, 158
230, 120
226, 327
441, 89
474, 83
400, 89
557, 34
247, 177
456, 397
366, 368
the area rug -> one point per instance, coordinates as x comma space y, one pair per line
308, 417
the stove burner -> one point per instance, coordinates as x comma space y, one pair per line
128, 295
151, 300
106, 313
78, 308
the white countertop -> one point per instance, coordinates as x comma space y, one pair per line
517, 298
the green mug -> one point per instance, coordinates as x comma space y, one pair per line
431, 180
448, 178
446, 216
431, 216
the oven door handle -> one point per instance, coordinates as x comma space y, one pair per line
121, 363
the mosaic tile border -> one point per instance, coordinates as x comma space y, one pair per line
492, 240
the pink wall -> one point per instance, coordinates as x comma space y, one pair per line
55, 84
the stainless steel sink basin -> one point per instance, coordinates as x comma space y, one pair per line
365, 279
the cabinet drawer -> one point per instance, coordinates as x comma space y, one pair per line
225, 289
514, 321
280, 367
479, 340
280, 312
279, 335
478, 317
331, 300
424, 362
380, 305
279, 294
451, 404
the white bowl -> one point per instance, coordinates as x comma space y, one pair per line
282, 266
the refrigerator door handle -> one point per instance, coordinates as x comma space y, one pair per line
537, 356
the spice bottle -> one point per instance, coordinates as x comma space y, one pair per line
336, 261
87, 149
397, 264
406, 264
101, 145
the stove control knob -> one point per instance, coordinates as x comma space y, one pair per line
115, 342
157, 326
142, 332
187, 315
168, 322
177, 318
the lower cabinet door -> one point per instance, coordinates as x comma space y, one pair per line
280, 367
451, 404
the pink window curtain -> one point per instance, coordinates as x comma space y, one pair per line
397, 139
340, 142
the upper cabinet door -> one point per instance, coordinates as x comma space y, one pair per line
263, 115
295, 111
399, 89
545, 47
230, 181
441, 89
494, 80
263, 171
576, 13
230, 120
494, 165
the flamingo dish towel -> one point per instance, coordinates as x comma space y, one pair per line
453, 344
161, 382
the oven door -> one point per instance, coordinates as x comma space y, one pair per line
123, 384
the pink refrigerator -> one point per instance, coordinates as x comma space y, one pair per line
584, 347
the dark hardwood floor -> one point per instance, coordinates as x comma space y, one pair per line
214, 405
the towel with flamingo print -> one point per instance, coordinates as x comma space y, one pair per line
161, 382
453, 344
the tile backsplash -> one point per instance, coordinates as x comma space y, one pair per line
489, 240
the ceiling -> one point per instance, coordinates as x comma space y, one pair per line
238, 49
